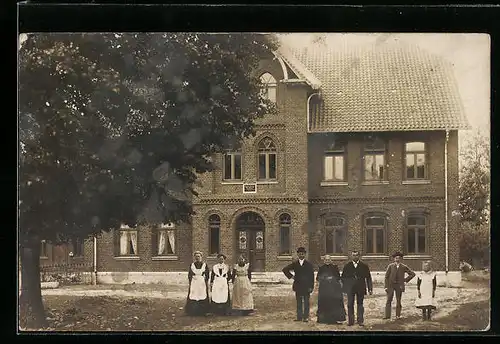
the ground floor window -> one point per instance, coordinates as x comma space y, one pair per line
416, 234
285, 235
335, 234
214, 235
127, 241
165, 236
78, 247
43, 249
375, 226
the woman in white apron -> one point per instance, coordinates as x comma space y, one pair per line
219, 282
197, 300
242, 288
426, 289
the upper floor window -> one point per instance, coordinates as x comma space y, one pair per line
335, 234
165, 240
285, 234
416, 234
43, 249
268, 90
375, 227
78, 247
213, 234
127, 241
334, 162
416, 165
374, 159
267, 159
232, 165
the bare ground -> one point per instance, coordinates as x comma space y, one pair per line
160, 308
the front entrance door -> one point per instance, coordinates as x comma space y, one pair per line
250, 240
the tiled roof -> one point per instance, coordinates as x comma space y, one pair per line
388, 87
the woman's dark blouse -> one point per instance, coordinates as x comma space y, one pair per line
328, 270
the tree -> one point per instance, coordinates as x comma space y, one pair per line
115, 128
474, 197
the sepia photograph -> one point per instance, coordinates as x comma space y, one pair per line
259, 181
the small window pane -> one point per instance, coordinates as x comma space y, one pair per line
380, 240
410, 166
285, 219
227, 166
369, 240
411, 240
421, 240
420, 165
272, 166
284, 240
328, 167
329, 241
262, 166
416, 220
271, 93
415, 147
375, 221
339, 167
214, 240
339, 241
237, 166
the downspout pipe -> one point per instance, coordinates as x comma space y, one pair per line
94, 280
446, 206
309, 110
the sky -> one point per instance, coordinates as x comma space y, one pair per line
469, 55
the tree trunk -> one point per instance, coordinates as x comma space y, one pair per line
32, 312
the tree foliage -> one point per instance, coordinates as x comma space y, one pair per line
474, 199
115, 128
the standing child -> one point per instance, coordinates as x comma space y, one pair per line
426, 286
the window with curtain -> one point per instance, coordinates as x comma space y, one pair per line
415, 158
416, 234
232, 165
127, 241
375, 227
269, 85
213, 234
334, 162
78, 247
335, 234
267, 159
166, 240
374, 159
285, 235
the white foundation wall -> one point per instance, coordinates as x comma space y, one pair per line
450, 279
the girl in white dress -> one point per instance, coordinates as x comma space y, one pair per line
197, 301
426, 287
219, 282
242, 288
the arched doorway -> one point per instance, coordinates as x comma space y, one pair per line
250, 239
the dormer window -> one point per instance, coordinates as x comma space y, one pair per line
268, 90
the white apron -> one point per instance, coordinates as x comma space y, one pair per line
220, 288
198, 289
426, 290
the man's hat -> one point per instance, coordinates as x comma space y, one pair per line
397, 254
301, 249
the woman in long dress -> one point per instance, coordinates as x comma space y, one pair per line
426, 288
219, 281
197, 301
242, 288
330, 296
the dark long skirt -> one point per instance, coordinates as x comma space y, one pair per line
330, 302
197, 308
221, 308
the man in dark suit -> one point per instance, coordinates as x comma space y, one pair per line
395, 283
356, 278
303, 283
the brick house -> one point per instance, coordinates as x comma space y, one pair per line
362, 155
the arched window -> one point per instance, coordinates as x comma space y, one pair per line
213, 234
375, 227
267, 159
335, 233
268, 90
416, 165
285, 235
416, 233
